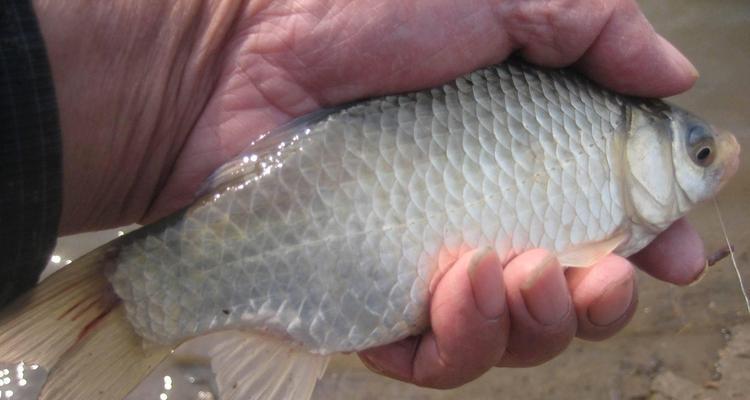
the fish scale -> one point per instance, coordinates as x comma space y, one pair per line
331, 239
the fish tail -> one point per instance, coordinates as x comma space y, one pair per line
73, 327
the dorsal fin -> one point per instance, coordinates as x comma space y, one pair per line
268, 150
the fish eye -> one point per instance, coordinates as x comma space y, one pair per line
700, 145
703, 154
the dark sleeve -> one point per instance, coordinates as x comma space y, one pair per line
30, 152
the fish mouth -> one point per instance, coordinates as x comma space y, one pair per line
732, 160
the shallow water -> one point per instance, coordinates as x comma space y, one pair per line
677, 333
21, 380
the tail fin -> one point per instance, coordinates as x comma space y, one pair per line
65, 324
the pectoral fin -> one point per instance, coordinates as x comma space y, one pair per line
589, 254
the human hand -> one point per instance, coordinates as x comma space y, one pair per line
154, 96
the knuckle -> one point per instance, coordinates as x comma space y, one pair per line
556, 32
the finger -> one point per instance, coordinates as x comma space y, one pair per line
469, 325
617, 45
541, 314
604, 297
394, 360
630, 57
676, 255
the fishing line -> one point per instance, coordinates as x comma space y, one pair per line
731, 254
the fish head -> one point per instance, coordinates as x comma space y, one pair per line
704, 157
674, 160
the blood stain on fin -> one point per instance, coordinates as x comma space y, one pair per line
42, 325
586, 255
107, 363
72, 326
259, 367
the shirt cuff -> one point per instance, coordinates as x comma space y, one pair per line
30, 152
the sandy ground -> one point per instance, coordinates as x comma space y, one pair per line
684, 343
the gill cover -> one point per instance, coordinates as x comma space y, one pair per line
651, 174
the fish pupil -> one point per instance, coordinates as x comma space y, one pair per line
703, 154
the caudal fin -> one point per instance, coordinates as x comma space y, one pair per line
73, 326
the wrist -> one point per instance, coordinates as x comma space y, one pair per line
130, 79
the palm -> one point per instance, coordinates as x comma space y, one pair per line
283, 63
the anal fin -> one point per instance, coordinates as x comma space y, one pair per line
586, 255
259, 367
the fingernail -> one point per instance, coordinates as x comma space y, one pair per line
543, 291
371, 365
678, 58
547, 262
610, 307
701, 274
486, 277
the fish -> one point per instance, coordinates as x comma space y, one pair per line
324, 235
